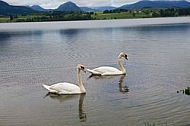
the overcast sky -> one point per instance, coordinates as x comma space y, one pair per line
52, 4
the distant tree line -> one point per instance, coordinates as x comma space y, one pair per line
57, 16
73, 15
115, 11
170, 12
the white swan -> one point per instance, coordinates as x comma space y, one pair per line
107, 70
68, 88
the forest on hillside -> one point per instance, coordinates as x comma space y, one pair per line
105, 15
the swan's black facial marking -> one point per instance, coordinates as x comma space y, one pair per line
126, 57
83, 69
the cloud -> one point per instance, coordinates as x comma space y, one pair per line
51, 4
56, 3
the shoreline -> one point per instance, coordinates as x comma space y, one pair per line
97, 20
92, 23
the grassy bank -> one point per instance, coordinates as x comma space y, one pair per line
48, 17
71, 16
123, 15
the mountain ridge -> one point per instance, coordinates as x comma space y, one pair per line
7, 9
156, 4
68, 6
38, 8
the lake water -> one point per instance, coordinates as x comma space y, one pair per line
32, 54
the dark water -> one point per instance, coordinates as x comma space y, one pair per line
32, 54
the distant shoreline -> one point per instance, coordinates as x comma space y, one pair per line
94, 20
22, 26
106, 15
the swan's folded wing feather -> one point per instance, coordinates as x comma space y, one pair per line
104, 69
65, 88
108, 71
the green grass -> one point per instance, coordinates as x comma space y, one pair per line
4, 19
96, 16
101, 16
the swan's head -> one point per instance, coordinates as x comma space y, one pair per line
122, 54
81, 67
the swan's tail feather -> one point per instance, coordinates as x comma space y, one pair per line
49, 88
89, 70
46, 86
92, 72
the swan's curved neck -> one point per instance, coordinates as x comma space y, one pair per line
121, 65
79, 79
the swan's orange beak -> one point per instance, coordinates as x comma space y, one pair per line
84, 70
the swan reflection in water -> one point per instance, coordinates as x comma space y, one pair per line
63, 98
122, 89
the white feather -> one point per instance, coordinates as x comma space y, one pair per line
68, 88
107, 70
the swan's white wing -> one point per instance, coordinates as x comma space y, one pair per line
64, 88
105, 70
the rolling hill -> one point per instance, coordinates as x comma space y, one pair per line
68, 6
6, 9
39, 8
95, 9
156, 4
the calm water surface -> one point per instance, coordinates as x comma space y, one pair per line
32, 54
